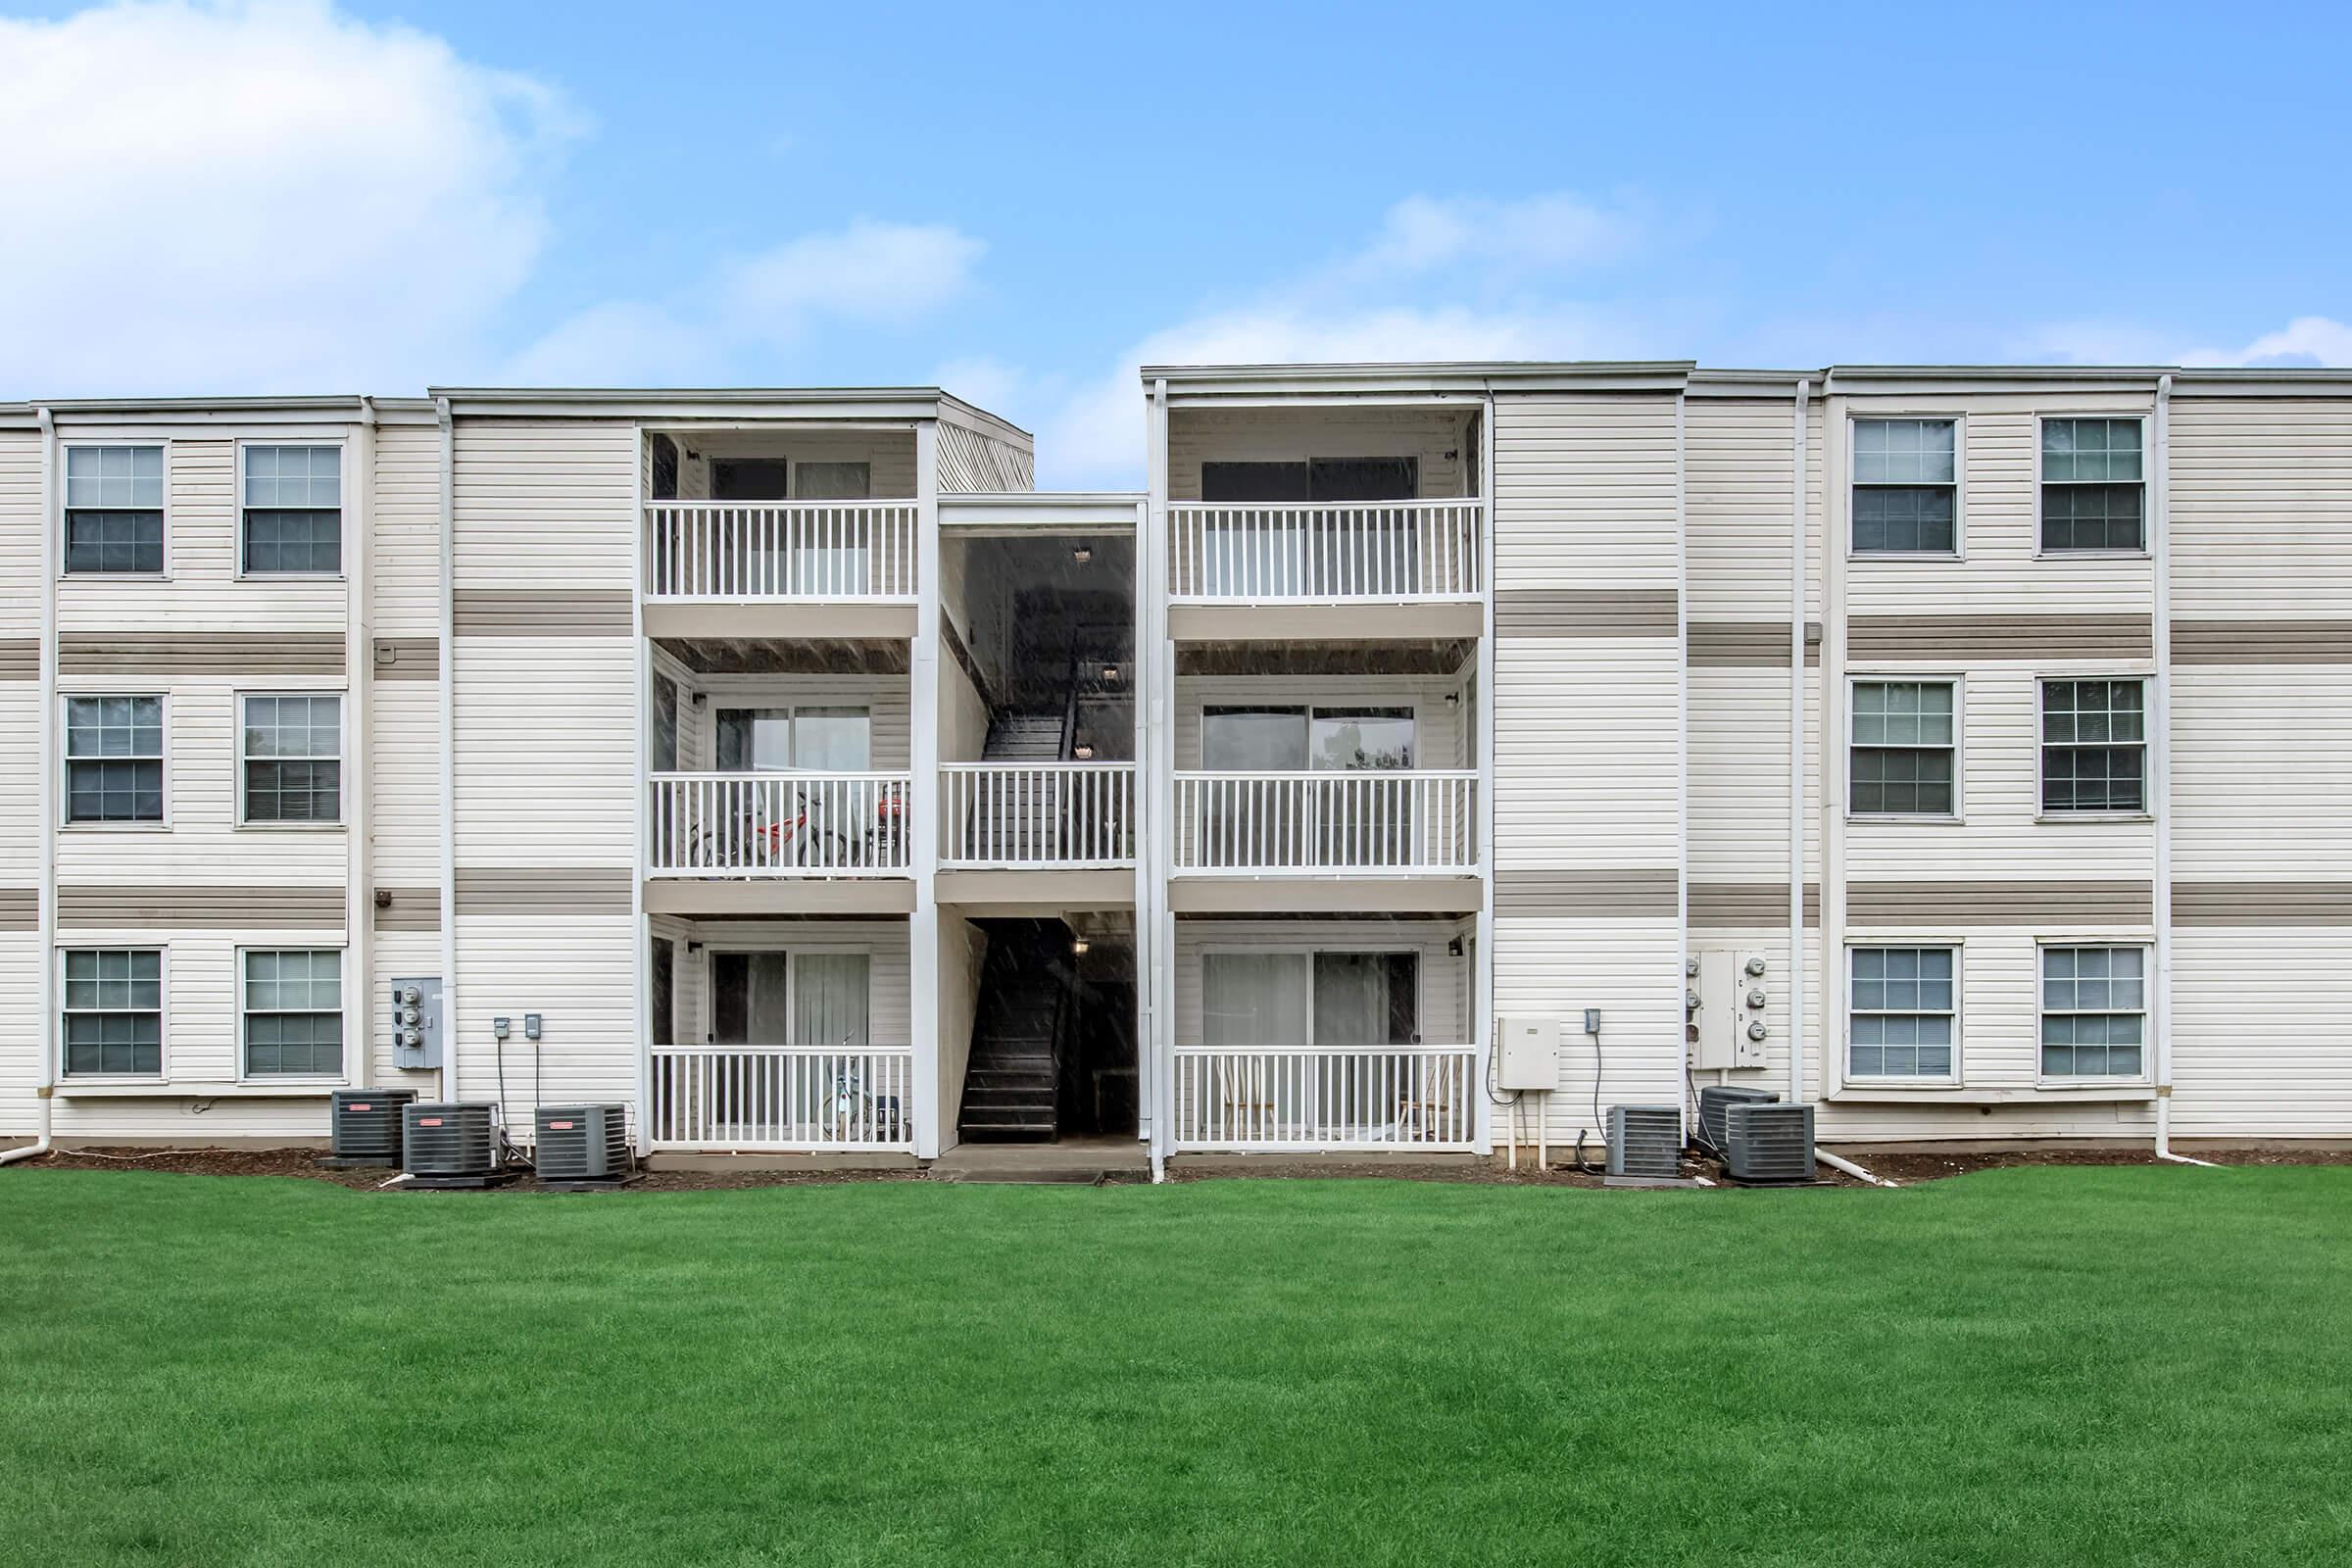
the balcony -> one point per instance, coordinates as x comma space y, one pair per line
783, 1097
1043, 816
776, 825
724, 568
1425, 559
1323, 1097
1387, 839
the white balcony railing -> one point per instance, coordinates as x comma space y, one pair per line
820, 550
1338, 1097
1315, 824
1313, 553
1058, 815
776, 824
783, 1097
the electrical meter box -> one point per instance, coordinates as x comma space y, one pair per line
1527, 1054
1726, 1028
416, 1022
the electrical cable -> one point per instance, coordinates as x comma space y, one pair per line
1580, 1132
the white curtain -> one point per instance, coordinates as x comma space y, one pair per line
830, 1000
1252, 1001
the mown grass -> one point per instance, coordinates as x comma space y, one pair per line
2028, 1366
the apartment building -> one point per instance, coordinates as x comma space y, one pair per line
1966, 752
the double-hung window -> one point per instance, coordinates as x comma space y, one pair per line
2094, 746
114, 510
293, 1010
2093, 486
1906, 498
2094, 1012
113, 1021
292, 752
114, 759
293, 508
1902, 1014
1904, 753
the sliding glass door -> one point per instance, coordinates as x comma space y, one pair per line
1360, 825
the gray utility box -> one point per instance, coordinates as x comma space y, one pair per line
581, 1142
1769, 1144
1646, 1142
1715, 1103
416, 1022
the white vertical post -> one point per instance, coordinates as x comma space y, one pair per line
1837, 442
919, 824
1482, 1013
1156, 691
2159, 465
451, 1018
641, 749
359, 794
1682, 752
1798, 543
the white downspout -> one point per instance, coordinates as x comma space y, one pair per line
45, 1076
1797, 547
1158, 975
451, 1031
2160, 756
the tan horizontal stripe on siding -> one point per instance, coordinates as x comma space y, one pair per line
411, 910
543, 890
2262, 903
542, 611
1750, 903
2262, 642
1748, 642
408, 659
92, 905
19, 659
1586, 612
1586, 894
1995, 902
20, 908
1998, 637
201, 653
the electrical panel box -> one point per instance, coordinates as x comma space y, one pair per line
1726, 1025
1527, 1054
416, 1022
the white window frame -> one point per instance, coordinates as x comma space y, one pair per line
1959, 549
721, 702
1846, 1051
2148, 486
342, 756
343, 464
343, 990
58, 521
2042, 815
65, 769
57, 1021
1420, 951
2148, 1011
705, 1014
1929, 677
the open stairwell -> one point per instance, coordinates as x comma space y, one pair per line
1019, 1035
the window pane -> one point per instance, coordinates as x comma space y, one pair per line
2094, 756
113, 541
293, 541
293, 476
1912, 519
1904, 451
2091, 517
114, 477
113, 1010
834, 481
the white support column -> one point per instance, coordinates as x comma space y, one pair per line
2160, 746
51, 1048
640, 746
1836, 442
1156, 856
1682, 752
359, 721
931, 1118
1482, 976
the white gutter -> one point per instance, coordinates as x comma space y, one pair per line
45, 751
451, 1032
2160, 755
1797, 545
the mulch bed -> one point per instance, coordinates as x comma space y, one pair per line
1896, 1164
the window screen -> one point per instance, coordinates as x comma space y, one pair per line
114, 759
1906, 498
1903, 1005
2093, 488
113, 1010
114, 509
293, 1006
834, 481
1903, 749
293, 759
2094, 750
2094, 1006
293, 509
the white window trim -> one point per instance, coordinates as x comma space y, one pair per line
1420, 951
1846, 784
2042, 815
343, 512
1846, 1030
59, 521
57, 1021
343, 978
236, 714
2147, 1028
65, 773
2043, 416
705, 1014
1959, 549
1197, 705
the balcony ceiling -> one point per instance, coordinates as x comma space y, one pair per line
766, 655
1442, 655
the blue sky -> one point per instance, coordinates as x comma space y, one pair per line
1023, 201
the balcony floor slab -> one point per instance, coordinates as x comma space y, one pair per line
1318, 895
759, 896
1370, 619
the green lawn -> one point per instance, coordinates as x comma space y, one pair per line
2147, 1366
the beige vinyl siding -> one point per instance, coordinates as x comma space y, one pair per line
201, 528
20, 784
404, 767
891, 452
962, 955
2001, 510
973, 463
2261, 771
405, 532
1588, 742
22, 528
1440, 438
1442, 976
2258, 1045
21, 1032
1741, 455
2261, 507
544, 504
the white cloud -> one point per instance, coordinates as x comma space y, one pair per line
2307, 340
257, 196
1510, 259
